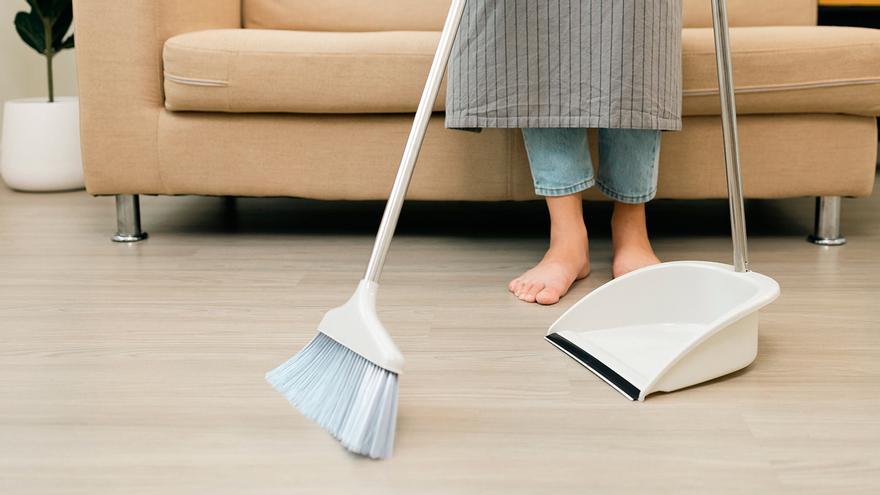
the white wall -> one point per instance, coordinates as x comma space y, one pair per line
22, 70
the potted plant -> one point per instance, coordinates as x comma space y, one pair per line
40, 148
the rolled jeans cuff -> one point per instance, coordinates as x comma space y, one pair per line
623, 198
565, 191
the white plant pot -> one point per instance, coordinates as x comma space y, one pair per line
40, 149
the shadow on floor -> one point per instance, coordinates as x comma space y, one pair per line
284, 216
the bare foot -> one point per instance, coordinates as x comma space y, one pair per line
631, 258
629, 232
565, 262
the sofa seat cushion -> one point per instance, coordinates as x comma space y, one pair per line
791, 69
258, 70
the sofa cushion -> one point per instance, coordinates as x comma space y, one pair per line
428, 15
256, 70
345, 15
698, 13
794, 69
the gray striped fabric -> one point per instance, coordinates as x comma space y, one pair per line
567, 63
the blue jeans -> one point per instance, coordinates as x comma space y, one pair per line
561, 163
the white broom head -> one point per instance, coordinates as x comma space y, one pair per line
347, 395
345, 379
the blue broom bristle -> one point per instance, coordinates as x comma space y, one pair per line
349, 396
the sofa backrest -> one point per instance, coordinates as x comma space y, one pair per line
698, 13
428, 15
345, 15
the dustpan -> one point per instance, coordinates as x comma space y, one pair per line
673, 325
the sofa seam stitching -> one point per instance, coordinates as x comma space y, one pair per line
785, 87
306, 54
874, 44
193, 81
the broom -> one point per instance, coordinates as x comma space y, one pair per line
346, 378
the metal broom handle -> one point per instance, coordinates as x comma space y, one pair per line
414, 142
731, 138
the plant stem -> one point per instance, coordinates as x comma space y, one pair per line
51, 78
50, 53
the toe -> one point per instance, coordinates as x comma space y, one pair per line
512, 285
518, 287
526, 293
532, 291
548, 295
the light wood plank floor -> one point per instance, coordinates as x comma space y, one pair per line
129, 369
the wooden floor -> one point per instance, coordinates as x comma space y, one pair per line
135, 369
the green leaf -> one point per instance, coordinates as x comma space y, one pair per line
30, 28
46, 8
56, 8
68, 43
50, 9
61, 27
37, 7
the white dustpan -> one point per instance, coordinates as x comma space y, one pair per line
673, 325
667, 326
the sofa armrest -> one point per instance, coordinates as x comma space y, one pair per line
119, 69
698, 13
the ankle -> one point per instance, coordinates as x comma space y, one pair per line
629, 223
628, 214
568, 237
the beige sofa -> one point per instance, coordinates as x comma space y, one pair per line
314, 99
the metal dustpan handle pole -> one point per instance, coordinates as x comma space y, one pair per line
414, 142
731, 138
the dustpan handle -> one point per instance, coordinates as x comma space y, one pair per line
731, 138
414, 142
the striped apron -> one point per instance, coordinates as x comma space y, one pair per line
566, 63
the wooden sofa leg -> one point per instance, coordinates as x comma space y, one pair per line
827, 227
128, 219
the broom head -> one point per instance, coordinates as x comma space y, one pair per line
346, 378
